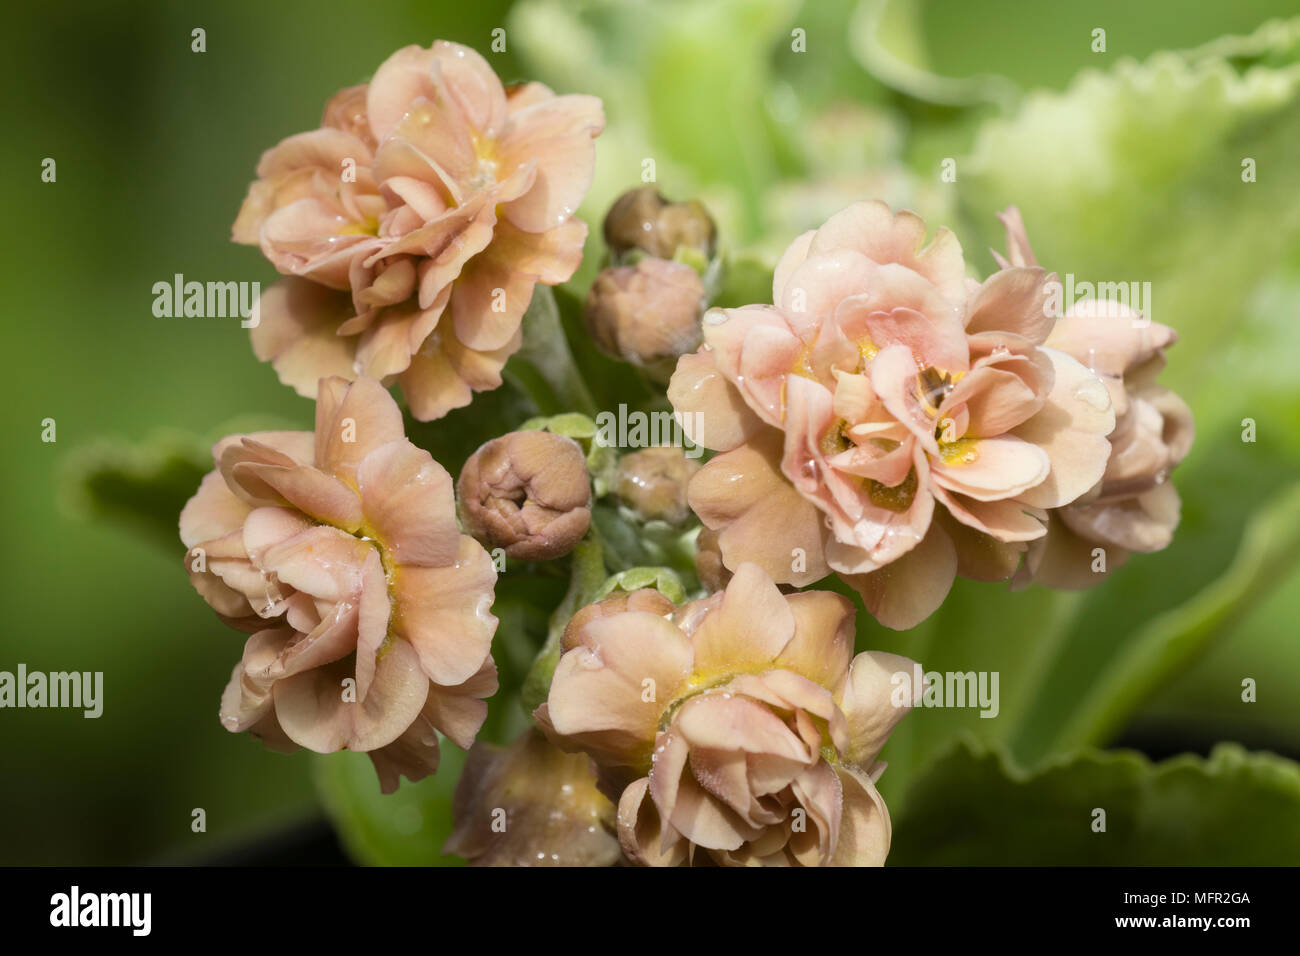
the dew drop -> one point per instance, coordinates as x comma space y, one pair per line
1093, 394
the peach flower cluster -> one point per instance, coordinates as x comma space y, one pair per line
414, 224
369, 611
888, 418
735, 730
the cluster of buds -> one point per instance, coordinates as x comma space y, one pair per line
645, 309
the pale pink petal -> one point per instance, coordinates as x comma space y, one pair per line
214, 511
409, 505
865, 828
599, 698
1012, 300
791, 259
873, 229
743, 495
414, 755
445, 612
297, 321
1071, 429
907, 591
312, 710
558, 133
751, 626
823, 637
356, 420
877, 693
641, 832
990, 469
710, 410
459, 712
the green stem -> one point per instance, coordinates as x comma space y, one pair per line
587, 576
544, 368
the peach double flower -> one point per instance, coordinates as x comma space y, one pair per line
415, 223
735, 730
1134, 507
369, 611
887, 418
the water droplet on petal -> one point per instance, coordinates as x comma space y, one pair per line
1093, 394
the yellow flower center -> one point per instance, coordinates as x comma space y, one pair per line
368, 227
897, 498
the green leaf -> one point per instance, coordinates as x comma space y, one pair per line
952, 51
404, 828
663, 580
1269, 548
972, 807
144, 484
1135, 175
1144, 622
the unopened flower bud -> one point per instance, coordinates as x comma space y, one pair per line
531, 804
652, 482
643, 219
647, 314
644, 599
528, 493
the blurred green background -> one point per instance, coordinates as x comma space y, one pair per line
1123, 173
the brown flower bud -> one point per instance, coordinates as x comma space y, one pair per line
646, 599
643, 219
528, 493
647, 314
652, 482
713, 574
531, 804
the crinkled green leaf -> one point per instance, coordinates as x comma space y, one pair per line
957, 52
145, 484
973, 808
1135, 175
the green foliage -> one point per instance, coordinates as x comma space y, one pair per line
404, 828
972, 807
